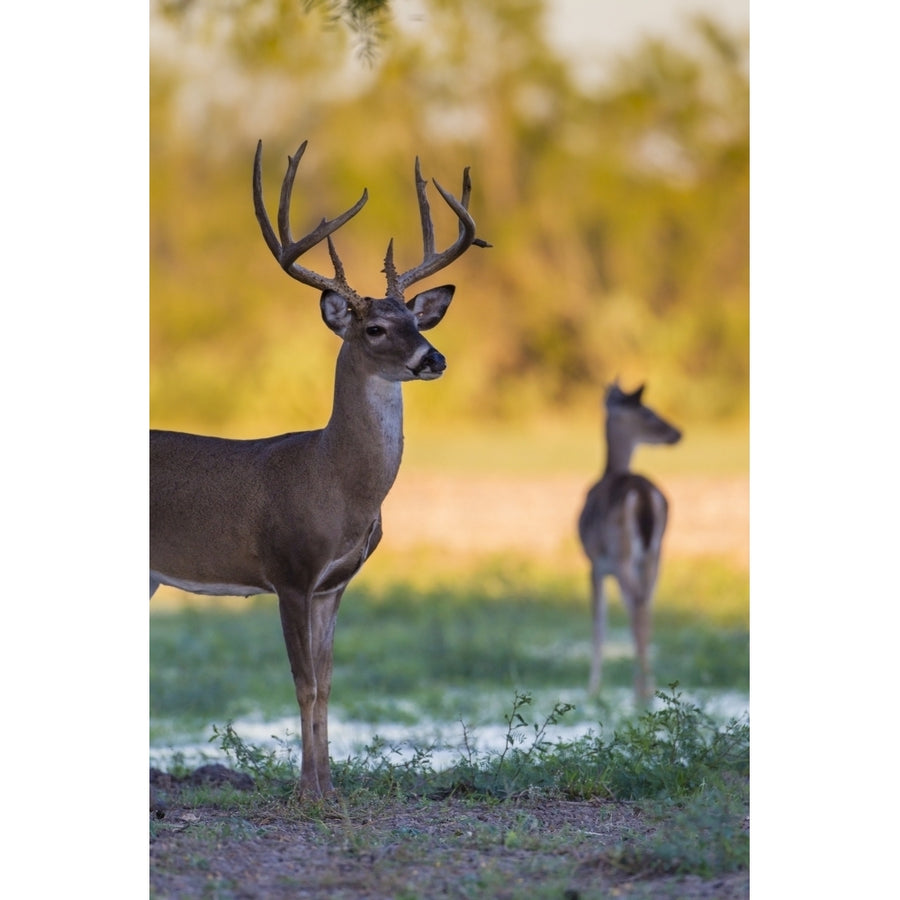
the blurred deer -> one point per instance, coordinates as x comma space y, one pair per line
297, 515
621, 528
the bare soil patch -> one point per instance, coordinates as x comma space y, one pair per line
395, 849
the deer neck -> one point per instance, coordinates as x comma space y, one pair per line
619, 450
366, 424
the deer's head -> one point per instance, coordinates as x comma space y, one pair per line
627, 415
386, 331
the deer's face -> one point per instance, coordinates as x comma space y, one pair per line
643, 425
386, 333
628, 417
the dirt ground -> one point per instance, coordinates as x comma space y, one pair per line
452, 848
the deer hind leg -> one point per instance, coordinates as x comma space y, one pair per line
598, 611
638, 590
637, 579
638, 604
308, 626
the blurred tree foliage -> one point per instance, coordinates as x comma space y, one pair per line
619, 214
262, 32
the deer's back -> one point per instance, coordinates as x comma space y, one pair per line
623, 514
208, 474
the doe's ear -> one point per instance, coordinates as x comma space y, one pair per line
429, 306
336, 312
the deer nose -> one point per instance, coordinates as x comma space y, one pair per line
432, 363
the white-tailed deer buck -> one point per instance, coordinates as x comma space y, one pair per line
621, 527
298, 514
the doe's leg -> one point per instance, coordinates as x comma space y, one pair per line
637, 602
598, 614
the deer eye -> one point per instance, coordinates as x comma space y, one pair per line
374, 330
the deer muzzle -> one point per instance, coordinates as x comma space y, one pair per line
430, 366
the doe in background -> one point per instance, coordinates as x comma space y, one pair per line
621, 528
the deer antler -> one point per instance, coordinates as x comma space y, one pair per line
287, 250
433, 262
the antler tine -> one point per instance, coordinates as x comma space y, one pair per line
259, 207
284, 200
466, 188
336, 262
433, 262
287, 251
395, 287
424, 214
390, 270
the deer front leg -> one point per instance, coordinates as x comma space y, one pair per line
598, 609
324, 617
303, 638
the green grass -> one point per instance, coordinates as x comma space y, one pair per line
671, 753
452, 651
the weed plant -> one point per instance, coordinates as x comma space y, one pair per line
685, 779
668, 754
688, 776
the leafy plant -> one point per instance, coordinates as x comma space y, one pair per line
685, 775
673, 752
273, 767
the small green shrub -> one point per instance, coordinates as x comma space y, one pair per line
687, 775
674, 752
671, 752
274, 768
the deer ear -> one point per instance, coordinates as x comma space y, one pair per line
429, 306
336, 312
